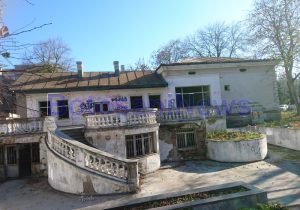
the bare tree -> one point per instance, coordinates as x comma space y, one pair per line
216, 40
274, 26
140, 65
172, 52
51, 55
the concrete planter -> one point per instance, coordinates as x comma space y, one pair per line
237, 200
237, 151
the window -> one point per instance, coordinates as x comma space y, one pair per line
11, 155
63, 109
35, 152
192, 96
136, 102
1, 155
227, 87
185, 138
45, 109
101, 107
243, 70
139, 145
154, 101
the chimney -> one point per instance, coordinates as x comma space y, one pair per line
122, 68
116, 66
79, 69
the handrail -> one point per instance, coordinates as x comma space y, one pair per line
21, 126
94, 160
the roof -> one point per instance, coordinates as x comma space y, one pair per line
71, 81
214, 60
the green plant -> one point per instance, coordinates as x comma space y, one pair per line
233, 135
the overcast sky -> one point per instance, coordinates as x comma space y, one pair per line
101, 31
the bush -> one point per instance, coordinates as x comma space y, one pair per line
233, 135
271, 206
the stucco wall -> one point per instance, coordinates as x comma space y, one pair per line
256, 84
112, 140
68, 178
168, 144
237, 151
76, 98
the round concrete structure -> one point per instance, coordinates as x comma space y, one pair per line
237, 151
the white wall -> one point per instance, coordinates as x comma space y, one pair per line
256, 84
76, 98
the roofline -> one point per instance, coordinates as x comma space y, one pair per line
93, 88
219, 62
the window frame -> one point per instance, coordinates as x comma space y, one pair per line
182, 94
63, 106
185, 132
142, 140
48, 107
149, 96
137, 96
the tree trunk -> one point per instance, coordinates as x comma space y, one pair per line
292, 92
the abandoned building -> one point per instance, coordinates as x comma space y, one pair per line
95, 132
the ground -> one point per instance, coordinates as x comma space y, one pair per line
279, 175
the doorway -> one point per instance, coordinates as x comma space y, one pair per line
24, 160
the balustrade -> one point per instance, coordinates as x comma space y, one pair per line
21, 125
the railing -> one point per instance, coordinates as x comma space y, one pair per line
190, 113
94, 160
120, 119
21, 125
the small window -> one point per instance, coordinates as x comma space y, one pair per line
136, 102
100, 107
1, 155
139, 145
154, 101
192, 73
227, 87
63, 109
185, 138
11, 155
243, 70
45, 109
35, 152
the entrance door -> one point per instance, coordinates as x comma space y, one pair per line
24, 160
12, 170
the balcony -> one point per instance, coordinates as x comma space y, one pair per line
21, 126
124, 118
168, 116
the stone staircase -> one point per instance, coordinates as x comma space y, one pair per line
76, 134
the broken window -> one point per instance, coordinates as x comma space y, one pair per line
11, 155
35, 152
185, 138
139, 145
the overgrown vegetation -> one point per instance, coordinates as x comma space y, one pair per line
272, 206
182, 199
288, 119
233, 135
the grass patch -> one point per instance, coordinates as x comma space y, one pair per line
288, 119
233, 135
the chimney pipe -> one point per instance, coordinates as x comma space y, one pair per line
79, 69
116, 66
122, 68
